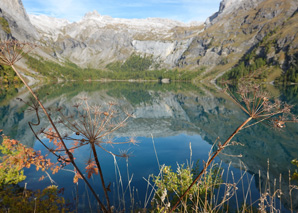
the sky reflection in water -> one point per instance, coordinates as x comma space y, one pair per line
176, 115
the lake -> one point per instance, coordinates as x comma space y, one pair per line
167, 119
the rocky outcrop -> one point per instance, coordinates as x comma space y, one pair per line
15, 23
229, 6
236, 28
281, 46
167, 52
97, 40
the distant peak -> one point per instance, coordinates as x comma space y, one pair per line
92, 14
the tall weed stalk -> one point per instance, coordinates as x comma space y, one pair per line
94, 127
256, 104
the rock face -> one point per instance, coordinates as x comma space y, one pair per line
281, 48
15, 22
97, 40
236, 28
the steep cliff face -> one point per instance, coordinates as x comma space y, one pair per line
281, 47
234, 30
14, 22
97, 40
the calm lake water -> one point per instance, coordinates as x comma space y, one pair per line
175, 115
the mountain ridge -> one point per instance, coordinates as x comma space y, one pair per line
100, 40
218, 44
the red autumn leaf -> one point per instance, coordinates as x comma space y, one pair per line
55, 169
76, 177
41, 178
91, 168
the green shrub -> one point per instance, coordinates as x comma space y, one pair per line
14, 158
9, 173
17, 199
171, 185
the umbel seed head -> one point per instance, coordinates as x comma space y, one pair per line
11, 51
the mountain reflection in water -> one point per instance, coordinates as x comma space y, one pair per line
175, 114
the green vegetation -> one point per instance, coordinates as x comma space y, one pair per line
136, 63
9, 82
188, 187
135, 67
68, 71
9, 174
171, 185
17, 199
253, 63
290, 96
291, 74
8, 76
243, 70
5, 26
14, 158
256, 64
133, 92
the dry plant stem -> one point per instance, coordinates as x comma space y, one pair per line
56, 130
101, 176
210, 160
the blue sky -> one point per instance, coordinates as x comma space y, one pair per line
74, 10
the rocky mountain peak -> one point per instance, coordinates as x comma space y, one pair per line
229, 6
93, 14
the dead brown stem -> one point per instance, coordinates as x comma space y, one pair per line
58, 134
101, 176
220, 148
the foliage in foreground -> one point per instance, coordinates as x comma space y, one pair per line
9, 83
14, 158
171, 185
16, 199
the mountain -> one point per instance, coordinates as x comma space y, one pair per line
97, 40
15, 23
235, 30
241, 31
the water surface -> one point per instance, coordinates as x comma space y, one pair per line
175, 115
